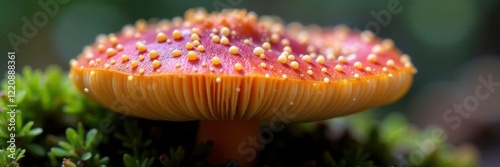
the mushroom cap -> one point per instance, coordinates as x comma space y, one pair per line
234, 65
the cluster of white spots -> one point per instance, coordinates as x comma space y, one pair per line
113, 61
130, 77
217, 80
319, 55
86, 90
92, 72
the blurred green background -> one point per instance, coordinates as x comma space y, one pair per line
451, 42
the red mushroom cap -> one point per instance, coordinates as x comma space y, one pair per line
231, 65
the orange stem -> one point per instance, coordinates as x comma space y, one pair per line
232, 140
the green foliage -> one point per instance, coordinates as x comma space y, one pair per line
129, 161
132, 139
7, 159
80, 146
175, 159
11, 121
396, 141
45, 95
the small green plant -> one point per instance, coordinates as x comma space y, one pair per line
130, 161
11, 160
12, 123
80, 146
132, 139
175, 159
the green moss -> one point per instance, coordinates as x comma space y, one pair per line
53, 115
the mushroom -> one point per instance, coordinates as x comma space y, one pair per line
232, 69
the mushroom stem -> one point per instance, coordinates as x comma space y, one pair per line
227, 136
